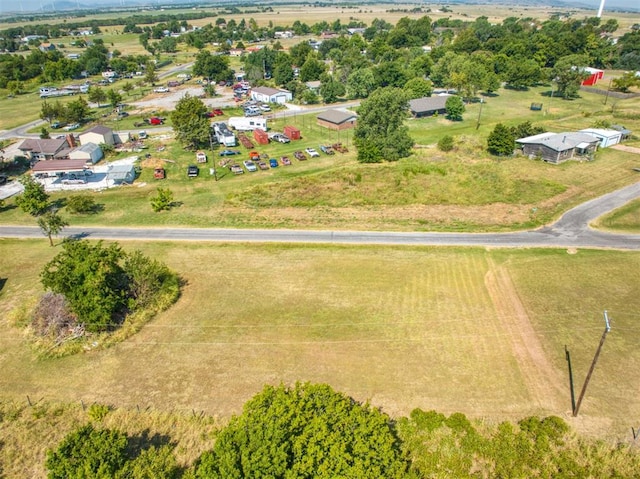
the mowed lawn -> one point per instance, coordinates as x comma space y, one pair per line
470, 330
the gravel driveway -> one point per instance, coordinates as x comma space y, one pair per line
167, 101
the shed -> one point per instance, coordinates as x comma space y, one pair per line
292, 132
626, 134
97, 134
337, 119
260, 136
90, 153
594, 75
271, 95
428, 105
121, 174
607, 137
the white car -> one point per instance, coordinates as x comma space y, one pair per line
73, 126
250, 165
162, 89
265, 107
312, 152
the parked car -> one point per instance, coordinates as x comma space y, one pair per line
161, 89
299, 155
273, 163
72, 126
279, 137
250, 165
201, 157
312, 152
285, 160
192, 171
155, 120
265, 107
217, 112
229, 152
327, 150
159, 173
236, 169
56, 124
143, 135
263, 165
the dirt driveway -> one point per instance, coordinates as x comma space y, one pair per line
167, 101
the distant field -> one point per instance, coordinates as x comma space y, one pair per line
470, 330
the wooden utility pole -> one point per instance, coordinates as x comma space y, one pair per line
607, 328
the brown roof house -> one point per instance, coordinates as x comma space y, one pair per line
97, 134
337, 119
559, 147
49, 149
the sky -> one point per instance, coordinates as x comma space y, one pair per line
34, 5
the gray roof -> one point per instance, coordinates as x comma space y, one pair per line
428, 103
119, 172
99, 129
337, 116
265, 90
88, 148
560, 141
621, 129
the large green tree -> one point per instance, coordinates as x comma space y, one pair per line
501, 141
214, 67
381, 133
454, 107
568, 73
91, 279
307, 431
190, 124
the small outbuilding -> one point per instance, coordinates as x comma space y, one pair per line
292, 132
337, 119
626, 134
607, 137
97, 134
428, 106
261, 136
121, 174
89, 152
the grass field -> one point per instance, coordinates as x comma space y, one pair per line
470, 330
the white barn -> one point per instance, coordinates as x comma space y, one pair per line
270, 95
606, 137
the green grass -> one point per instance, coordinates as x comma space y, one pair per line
626, 218
400, 327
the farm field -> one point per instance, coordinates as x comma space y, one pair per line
471, 330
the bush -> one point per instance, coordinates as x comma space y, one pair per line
81, 203
445, 143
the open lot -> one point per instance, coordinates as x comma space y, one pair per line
470, 330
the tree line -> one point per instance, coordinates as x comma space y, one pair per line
311, 431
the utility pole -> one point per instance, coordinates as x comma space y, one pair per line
608, 90
479, 113
607, 328
213, 158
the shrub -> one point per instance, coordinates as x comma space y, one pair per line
445, 143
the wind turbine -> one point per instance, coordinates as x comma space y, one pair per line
600, 9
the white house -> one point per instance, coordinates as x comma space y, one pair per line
271, 95
89, 152
98, 134
606, 137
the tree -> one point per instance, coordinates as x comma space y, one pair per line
88, 452
44, 133
312, 69
625, 82
501, 141
115, 98
190, 123
152, 463
51, 224
33, 200
75, 111
361, 83
213, 67
91, 279
49, 111
96, 95
418, 88
454, 107
81, 203
150, 73
305, 431
163, 201
127, 87
568, 74
380, 133
331, 89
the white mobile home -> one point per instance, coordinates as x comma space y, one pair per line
606, 137
248, 123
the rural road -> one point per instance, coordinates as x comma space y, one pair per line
570, 231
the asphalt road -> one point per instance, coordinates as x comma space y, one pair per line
570, 231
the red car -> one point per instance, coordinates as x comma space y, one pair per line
218, 112
154, 120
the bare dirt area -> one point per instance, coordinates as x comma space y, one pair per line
168, 101
544, 383
628, 149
